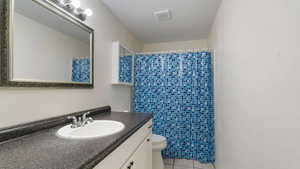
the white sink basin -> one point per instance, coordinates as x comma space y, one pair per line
98, 128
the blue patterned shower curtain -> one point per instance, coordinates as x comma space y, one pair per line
178, 89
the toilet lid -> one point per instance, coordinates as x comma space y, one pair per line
157, 139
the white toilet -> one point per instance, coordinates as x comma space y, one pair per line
158, 144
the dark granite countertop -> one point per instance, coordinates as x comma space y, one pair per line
44, 150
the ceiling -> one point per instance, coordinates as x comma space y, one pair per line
191, 19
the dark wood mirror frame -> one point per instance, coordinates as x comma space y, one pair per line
6, 45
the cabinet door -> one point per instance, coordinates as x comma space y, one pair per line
119, 157
142, 158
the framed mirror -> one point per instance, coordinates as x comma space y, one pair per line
44, 46
126, 65
123, 65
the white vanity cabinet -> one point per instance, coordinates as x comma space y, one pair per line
134, 153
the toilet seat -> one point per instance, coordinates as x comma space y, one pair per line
157, 139
158, 142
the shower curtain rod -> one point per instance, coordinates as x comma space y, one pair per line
177, 51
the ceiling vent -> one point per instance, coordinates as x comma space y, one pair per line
163, 15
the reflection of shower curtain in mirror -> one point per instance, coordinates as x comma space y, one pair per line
178, 89
81, 70
125, 69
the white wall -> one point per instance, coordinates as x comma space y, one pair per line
43, 53
177, 45
19, 105
257, 84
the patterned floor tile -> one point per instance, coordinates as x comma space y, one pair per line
186, 164
198, 165
208, 166
169, 167
169, 161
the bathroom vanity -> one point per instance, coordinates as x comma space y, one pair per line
36, 145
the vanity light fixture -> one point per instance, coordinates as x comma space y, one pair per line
75, 3
73, 6
88, 12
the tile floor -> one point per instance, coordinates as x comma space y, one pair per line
185, 164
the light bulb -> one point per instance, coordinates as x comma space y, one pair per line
88, 12
62, 2
75, 3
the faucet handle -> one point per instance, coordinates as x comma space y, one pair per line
74, 121
84, 115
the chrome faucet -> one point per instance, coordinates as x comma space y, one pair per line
75, 122
86, 120
81, 121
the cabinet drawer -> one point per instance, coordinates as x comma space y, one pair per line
122, 154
